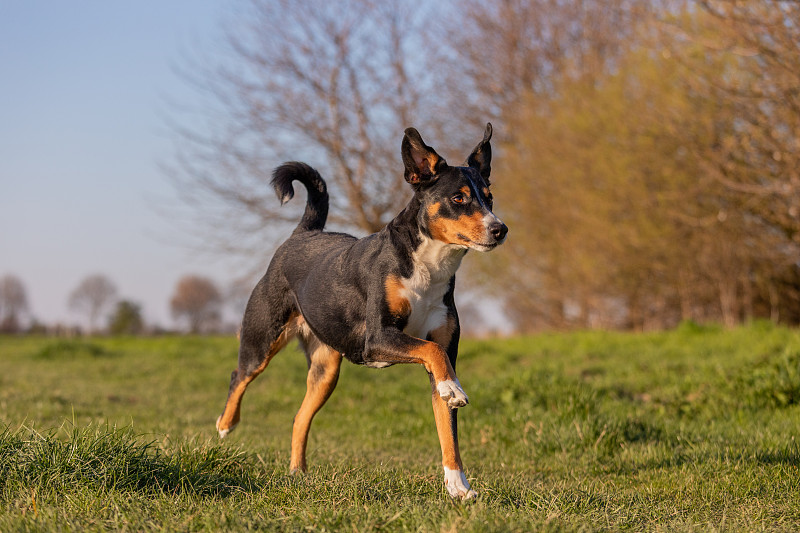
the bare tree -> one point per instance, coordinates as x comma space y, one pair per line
197, 301
744, 59
92, 296
751, 64
332, 83
13, 303
505, 52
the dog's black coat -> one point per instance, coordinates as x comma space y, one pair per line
351, 293
329, 276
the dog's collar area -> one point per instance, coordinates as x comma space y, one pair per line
440, 259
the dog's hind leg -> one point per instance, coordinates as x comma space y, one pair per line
260, 340
323, 373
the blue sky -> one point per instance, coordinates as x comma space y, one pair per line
83, 88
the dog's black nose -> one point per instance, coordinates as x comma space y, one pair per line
498, 230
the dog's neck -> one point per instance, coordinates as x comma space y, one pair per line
434, 260
440, 260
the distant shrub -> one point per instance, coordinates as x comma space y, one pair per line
73, 348
690, 327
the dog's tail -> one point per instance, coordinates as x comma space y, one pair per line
317, 205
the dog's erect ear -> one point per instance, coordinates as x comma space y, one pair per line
422, 162
481, 156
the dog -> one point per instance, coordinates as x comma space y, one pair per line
384, 299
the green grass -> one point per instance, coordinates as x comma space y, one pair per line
695, 429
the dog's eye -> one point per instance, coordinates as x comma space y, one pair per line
460, 199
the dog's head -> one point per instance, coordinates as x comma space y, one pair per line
456, 201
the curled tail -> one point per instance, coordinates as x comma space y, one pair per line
317, 205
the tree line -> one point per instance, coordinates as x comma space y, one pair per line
647, 153
661, 180
647, 158
196, 305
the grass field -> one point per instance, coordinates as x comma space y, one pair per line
694, 429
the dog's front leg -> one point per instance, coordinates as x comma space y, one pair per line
447, 428
455, 481
393, 346
447, 395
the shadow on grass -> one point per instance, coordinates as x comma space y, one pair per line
788, 455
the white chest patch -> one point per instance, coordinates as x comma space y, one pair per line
435, 263
428, 312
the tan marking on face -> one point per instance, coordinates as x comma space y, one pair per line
433, 210
398, 304
465, 191
449, 231
439, 227
486, 191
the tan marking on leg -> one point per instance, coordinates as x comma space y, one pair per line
230, 414
323, 374
446, 428
451, 458
435, 360
444, 333
448, 438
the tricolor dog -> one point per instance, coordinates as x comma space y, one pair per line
376, 301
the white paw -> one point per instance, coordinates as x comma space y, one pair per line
224, 432
457, 485
452, 393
